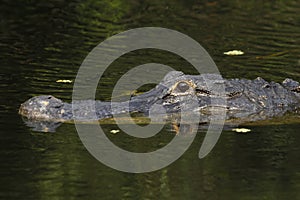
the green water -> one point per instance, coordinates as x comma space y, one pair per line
42, 42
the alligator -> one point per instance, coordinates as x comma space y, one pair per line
243, 100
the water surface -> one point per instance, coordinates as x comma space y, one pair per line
41, 43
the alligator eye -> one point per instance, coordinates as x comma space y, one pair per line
266, 86
183, 86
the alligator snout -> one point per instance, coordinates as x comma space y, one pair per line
40, 107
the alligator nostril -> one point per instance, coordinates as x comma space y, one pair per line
49, 97
183, 86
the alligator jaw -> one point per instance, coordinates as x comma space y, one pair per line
245, 99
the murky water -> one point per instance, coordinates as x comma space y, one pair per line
41, 43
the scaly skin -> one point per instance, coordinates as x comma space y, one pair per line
245, 100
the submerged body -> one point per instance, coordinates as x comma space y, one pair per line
243, 100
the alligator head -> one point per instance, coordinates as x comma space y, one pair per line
45, 107
243, 99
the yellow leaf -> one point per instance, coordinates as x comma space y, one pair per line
114, 131
63, 81
234, 53
241, 130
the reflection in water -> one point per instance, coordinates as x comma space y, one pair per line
42, 42
42, 126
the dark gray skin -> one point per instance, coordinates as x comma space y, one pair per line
246, 100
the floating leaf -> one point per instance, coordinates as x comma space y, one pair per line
63, 81
241, 130
114, 131
234, 53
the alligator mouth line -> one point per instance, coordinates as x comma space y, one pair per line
243, 99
